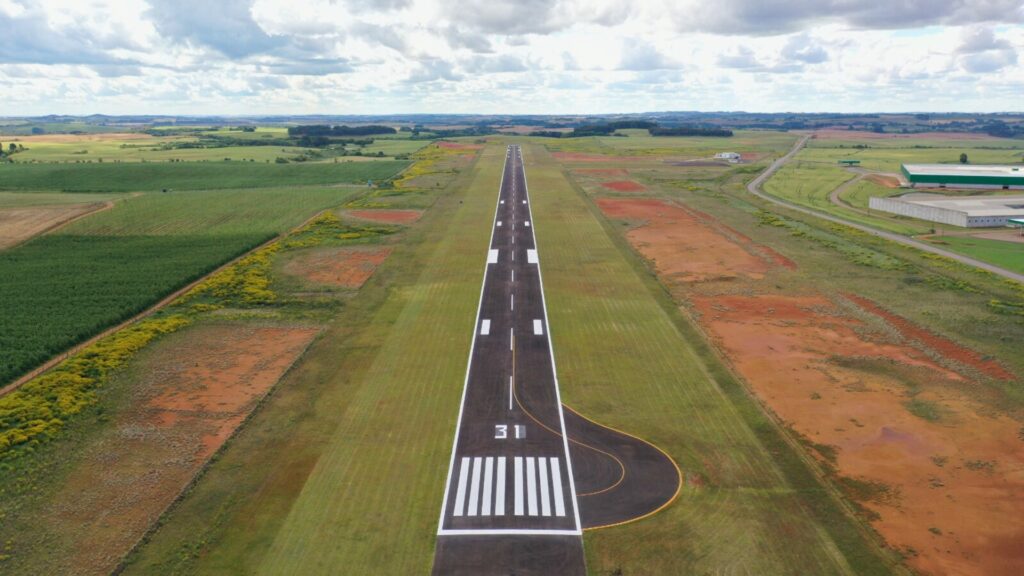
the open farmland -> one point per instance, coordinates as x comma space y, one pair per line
127, 177
65, 287
895, 371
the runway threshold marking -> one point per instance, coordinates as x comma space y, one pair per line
544, 485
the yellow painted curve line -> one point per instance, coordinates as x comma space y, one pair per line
679, 474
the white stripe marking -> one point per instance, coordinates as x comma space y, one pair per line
524, 201
512, 302
509, 392
492, 257
508, 532
460, 493
513, 275
531, 256
538, 328
556, 477
499, 222
531, 487
499, 492
485, 509
474, 487
518, 472
485, 327
527, 223
545, 498
502, 201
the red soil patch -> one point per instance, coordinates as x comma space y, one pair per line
197, 387
883, 180
623, 186
581, 157
944, 346
959, 475
602, 171
342, 267
683, 246
751, 156
458, 145
387, 216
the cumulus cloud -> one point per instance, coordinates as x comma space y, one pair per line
516, 17
768, 17
981, 51
433, 70
29, 38
641, 55
804, 48
226, 26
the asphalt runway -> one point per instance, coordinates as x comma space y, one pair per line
511, 501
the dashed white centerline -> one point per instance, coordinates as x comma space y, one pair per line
512, 302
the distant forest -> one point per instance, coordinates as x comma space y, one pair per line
608, 128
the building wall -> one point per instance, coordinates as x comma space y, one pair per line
919, 211
971, 185
987, 221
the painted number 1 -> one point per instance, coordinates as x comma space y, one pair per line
501, 431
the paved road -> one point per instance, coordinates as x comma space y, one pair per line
510, 504
754, 187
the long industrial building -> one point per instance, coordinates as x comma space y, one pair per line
963, 176
965, 211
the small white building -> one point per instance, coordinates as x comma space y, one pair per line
730, 156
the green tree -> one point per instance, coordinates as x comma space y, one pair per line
12, 147
963, 158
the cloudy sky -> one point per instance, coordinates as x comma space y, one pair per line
509, 56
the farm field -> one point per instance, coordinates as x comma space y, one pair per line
894, 371
151, 176
629, 361
158, 411
400, 342
98, 271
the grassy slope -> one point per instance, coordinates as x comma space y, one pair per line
627, 361
346, 462
111, 177
1009, 255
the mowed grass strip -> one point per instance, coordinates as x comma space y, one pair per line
625, 361
139, 176
371, 503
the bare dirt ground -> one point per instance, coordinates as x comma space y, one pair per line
194, 391
20, 224
683, 247
347, 267
884, 180
835, 134
948, 492
387, 216
623, 186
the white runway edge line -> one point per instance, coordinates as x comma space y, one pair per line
554, 372
469, 362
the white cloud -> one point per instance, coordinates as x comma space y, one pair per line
559, 56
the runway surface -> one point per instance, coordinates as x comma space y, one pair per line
511, 504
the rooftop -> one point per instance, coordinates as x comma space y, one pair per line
972, 205
992, 170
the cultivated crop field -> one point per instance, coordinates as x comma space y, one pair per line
136, 416
128, 177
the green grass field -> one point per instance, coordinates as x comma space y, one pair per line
889, 157
126, 177
67, 286
639, 143
25, 200
631, 362
1009, 255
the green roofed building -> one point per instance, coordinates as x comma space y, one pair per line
964, 176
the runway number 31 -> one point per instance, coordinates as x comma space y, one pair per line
501, 431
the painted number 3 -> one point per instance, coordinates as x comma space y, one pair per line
501, 431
